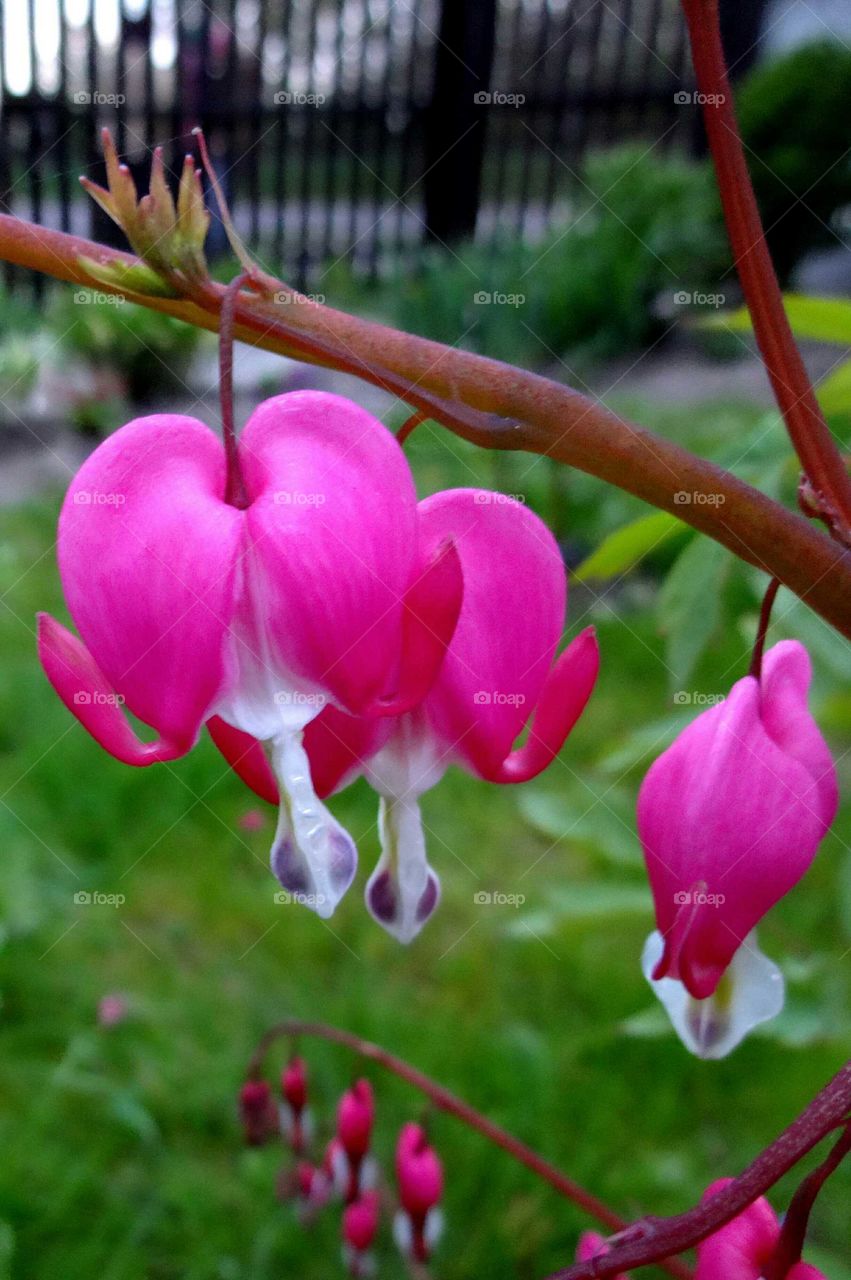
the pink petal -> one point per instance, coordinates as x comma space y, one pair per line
740, 1249
511, 619
730, 818
246, 757
147, 553
338, 746
88, 695
332, 524
566, 691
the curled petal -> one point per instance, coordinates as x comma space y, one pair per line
246, 757
566, 691
88, 695
751, 992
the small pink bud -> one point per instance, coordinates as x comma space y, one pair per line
112, 1009
256, 1111
360, 1221
252, 820
744, 1247
294, 1084
355, 1116
419, 1174
592, 1245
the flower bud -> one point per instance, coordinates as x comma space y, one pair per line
419, 1176
360, 1224
256, 1111
355, 1116
743, 1248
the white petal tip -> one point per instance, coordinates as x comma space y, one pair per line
750, 992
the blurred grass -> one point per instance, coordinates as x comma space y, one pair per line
121, 1154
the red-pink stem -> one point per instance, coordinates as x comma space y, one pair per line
455, 1106
797, 1219
653, 1238
235, 491
793, 390
762, 629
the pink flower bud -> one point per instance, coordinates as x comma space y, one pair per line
743, 1247
294, 1083
419, 1175
355, 1116
360, 1221
256, 1111
730, 817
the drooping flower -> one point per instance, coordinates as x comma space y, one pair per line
419, 1176
593, 1245
353, 1168
743, 1247
730, 817
296, 1120
257, 1112
317, 591
360, 1225
500, 669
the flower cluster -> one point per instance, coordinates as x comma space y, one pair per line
347, 1172
329, 627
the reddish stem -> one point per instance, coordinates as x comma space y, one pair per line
762, 629
410, 424
235, 491
794, 1231
455, 1106
790, 382
652, 1238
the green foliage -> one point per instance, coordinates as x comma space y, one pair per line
793, 114
151, 350
644, 225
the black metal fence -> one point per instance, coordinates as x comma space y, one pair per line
344, 129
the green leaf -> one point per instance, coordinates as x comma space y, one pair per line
689, 607
822, 319
604, 824
622, 550
834, 393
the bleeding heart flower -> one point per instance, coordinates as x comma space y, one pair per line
257, 1112
296, 1119
419, 1175
355, 1118
500, 669
320, 591
730, 817
743, 1248
360, 1224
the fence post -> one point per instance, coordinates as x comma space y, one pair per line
455, 122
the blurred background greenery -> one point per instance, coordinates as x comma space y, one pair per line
537, 1014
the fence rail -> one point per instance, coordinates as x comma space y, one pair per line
344, 129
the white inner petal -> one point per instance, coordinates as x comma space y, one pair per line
751, 991
403, 890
